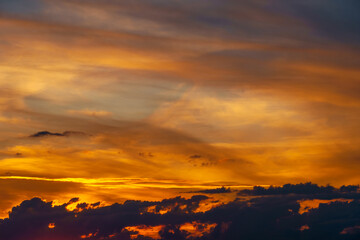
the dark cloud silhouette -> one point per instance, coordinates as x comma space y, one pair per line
261, 217
349, 188
64, 134
301, 188
278, 218
46, 133
73, 200
180, 205
173, 232
214, 191
32, 217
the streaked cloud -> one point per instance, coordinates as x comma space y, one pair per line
176, 97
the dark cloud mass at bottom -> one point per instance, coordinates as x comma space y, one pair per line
266, 216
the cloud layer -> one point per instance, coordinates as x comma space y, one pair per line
274, 217
158, 98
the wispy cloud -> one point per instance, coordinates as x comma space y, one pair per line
228, 93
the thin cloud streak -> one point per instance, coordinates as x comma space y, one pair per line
127, 182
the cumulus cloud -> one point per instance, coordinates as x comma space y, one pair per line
32, 217
301, 188
273, 217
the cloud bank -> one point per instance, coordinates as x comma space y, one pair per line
274, 217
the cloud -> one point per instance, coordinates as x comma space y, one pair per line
216, 190
265, 93
349, 188
234, 220
301, 188
91, 220
91, 113
64, 134
351, 230
46, 133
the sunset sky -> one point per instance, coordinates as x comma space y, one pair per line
144, 100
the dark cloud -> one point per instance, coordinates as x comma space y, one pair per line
32, 217
46, 133
277, 218
181, 205
336, 21
64, 134
351, 230
349, 188
266, 217
216, 190
173, 232
73, 200
292, 23
301, 188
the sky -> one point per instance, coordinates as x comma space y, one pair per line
116, 100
